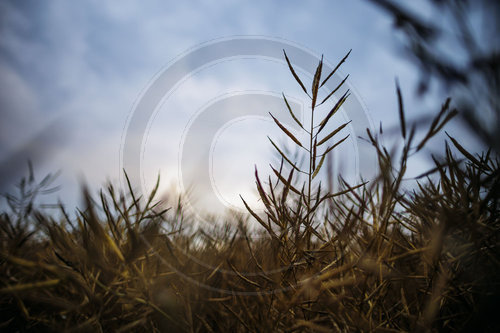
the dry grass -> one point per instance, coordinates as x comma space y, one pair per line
372, 257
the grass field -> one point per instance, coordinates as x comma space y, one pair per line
370, 258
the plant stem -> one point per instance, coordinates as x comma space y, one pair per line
311, 162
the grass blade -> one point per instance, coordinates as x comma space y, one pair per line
401, 110
284, 156
291, 113
315, 84
335, 69
335, 131
333, 111
295, 74
334, 90
287, 132
319, 166
29, 286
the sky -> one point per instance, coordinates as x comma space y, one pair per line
72, 73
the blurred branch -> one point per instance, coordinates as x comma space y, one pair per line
461, 51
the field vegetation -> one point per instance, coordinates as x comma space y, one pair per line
373, 257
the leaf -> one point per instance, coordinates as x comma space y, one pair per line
401, 110
350, 189
262, 194
253, 283
287, 186
338, 129
465, 152
291, 113
448, 117
271, 232
287, 132
315, 146
29, 286
335, 145
325, 154
289, 180
435, 125
333, 111
318, 192
443, 110
295, 74
315, 84
431, 171
284, 156
335, 69
319, 166
284, 181
334, 90
114, 247
272, 197
257, 217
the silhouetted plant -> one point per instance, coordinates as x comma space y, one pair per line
307, 198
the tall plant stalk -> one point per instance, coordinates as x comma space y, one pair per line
277, 210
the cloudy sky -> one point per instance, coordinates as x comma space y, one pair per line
71, 74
